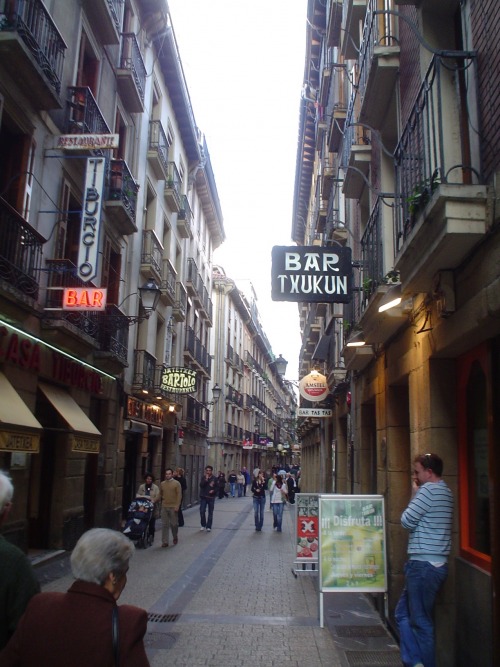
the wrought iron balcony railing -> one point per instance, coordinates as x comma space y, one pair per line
83, 113
197, 350
123, 187
131, 60
21, 249
151, 254
33, 23
109, 329
158, 149
371, 251
144, 371
380, 30
437, 143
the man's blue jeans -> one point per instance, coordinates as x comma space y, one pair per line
204, 503
259, 505
277, 515
414, 612
233, 488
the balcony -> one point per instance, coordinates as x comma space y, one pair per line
321, 216
442, 212
197, 352
83, 115
196, 415
358, 358
339, 103
378, 277
112, 335
356, 155
151, 256
185, 219
327, 178
167, 285
172, 192
180, 306
378, 66
158, 150
131, 75
21, 249
205, 303
106, 17
144, 373
75, 331
352, 20
121, 203
194, 282
32, 51
334, 23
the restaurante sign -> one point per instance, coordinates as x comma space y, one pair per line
311, 274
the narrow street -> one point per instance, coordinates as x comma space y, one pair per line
230, 597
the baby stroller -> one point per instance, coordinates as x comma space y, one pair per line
139, 515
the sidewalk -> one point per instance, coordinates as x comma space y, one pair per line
229, 597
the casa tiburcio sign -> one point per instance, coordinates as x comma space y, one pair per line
314, 387
311, 274
88, 246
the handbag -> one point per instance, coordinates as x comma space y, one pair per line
116, 636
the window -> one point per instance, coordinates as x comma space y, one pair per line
475, 454
88, 65
68, 231
111, 267
17, 150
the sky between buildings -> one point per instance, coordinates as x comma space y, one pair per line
244, 65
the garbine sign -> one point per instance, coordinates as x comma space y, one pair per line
311, 274
178, 380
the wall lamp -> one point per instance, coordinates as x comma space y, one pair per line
356, 340
149, 296
216, 393
391, 299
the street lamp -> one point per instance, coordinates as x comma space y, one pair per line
216, 392
149, 297
281, 364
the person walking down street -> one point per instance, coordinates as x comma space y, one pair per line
171, 498
233, 480
180, 476
208, 490
259, 500
18, 582
279, 493
428, 518
246, 475
221, 483
270, 482
290, 483
151, 491
240, 479
77, 627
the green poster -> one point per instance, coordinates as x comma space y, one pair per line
352, 543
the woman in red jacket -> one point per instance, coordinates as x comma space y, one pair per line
76, 628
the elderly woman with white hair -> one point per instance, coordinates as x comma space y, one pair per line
84, 626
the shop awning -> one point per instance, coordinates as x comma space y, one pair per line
19, 429
68, 408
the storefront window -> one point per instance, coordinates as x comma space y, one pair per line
474, 489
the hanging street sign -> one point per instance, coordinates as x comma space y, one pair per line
314, 412
311, 274
314, 387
